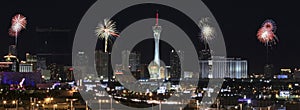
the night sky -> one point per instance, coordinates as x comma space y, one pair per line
238, 20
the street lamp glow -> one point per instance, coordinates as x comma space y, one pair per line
249, 101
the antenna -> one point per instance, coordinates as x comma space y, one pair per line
156, 18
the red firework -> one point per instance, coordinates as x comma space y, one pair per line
13, 33
18, 23
266, 34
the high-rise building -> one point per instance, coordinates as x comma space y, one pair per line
41, 63
134, 61
144, 73
296, 74
103, 64
176, 58
81, 64
12, 57
131, 60
12, 50
168, 70
118, 69
205, 54
68, 71
221, 67
125, 59
269, 71
57, 72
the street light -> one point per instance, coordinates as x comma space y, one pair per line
15, 102
110, 101
54, 106
71, 101
160, 105
48, 100
4, 103
32, 104
99, 104
86, 105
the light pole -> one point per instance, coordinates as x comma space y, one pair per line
152, 105
4, 104
54, 106
14, 103
71, 101
99, 104
30, 101
182, 104
111, 108
241, 106
159, 105
32, 104
218, 104
86, 105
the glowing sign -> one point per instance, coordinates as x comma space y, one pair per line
245, 100
282, 76
284, 93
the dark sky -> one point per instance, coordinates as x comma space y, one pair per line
238, 20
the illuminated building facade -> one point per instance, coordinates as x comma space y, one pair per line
176, 58
221, 67
31, 78
25, 67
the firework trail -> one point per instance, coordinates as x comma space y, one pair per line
106, 30
207, 31
266, 34
18, 23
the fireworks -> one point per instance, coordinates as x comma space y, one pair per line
104, 31
18, 23
266, 34
207, 31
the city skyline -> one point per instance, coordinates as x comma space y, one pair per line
240, 42
162, 55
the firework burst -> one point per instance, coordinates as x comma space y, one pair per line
266, 34
106, 30
18, 23
207, 31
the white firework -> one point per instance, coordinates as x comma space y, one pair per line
106, 30
207, 32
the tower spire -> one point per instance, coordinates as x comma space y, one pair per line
156, 18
